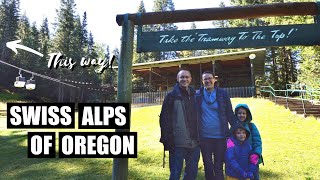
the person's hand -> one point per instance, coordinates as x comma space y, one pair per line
168, 145
230, 143
250, 175
254, 159
243, 174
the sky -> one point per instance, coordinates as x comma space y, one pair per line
101, 14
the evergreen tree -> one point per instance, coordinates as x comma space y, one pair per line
310, 68
284, 60
84, 29
116, 53
141, 7
78, 48
90, 74
65, 24
145, 56
69, 38
161, 6
44, 40
9, 16
25, 58
43, 85
109, 75
281, 62
221, 23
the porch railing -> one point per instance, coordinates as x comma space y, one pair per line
149, 97
241, 91
158, 97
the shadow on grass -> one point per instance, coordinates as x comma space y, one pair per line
265, 174
152, 166
15, 164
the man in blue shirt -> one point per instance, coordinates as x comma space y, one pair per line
215, 112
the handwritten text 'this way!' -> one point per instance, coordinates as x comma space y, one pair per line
57, 60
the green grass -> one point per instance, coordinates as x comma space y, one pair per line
290, 148
7, 96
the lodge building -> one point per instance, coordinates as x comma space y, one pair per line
236, 72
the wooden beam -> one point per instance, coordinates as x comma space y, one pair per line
233, 12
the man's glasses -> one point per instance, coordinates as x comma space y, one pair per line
208, 79
184, 77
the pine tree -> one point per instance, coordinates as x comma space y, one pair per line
310, 68
161, 6
9, 19
9, 25
221, 23
44, 40
84, 29
24, 33
144, 56
281, 62
285, 60
90, 74
141, 7
64, 27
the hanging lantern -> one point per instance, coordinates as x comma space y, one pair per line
252, 56
20, 81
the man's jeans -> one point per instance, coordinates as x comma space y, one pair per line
191, 157
213, 152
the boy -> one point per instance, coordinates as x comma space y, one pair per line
239, 166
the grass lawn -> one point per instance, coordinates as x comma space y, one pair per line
290, 148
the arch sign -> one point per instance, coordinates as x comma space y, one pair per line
224, 38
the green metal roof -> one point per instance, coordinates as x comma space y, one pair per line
258, 62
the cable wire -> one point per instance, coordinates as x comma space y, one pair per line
37, 74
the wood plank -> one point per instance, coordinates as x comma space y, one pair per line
233, 12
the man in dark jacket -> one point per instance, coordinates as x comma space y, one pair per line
179, 128
215, 112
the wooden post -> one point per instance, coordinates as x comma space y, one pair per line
200, 73
167, 82
213, 67
252, 77
124, 94
150, 79
150, 85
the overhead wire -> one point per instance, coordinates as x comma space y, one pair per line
37, 74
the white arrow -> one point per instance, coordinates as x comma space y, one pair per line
13, 45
